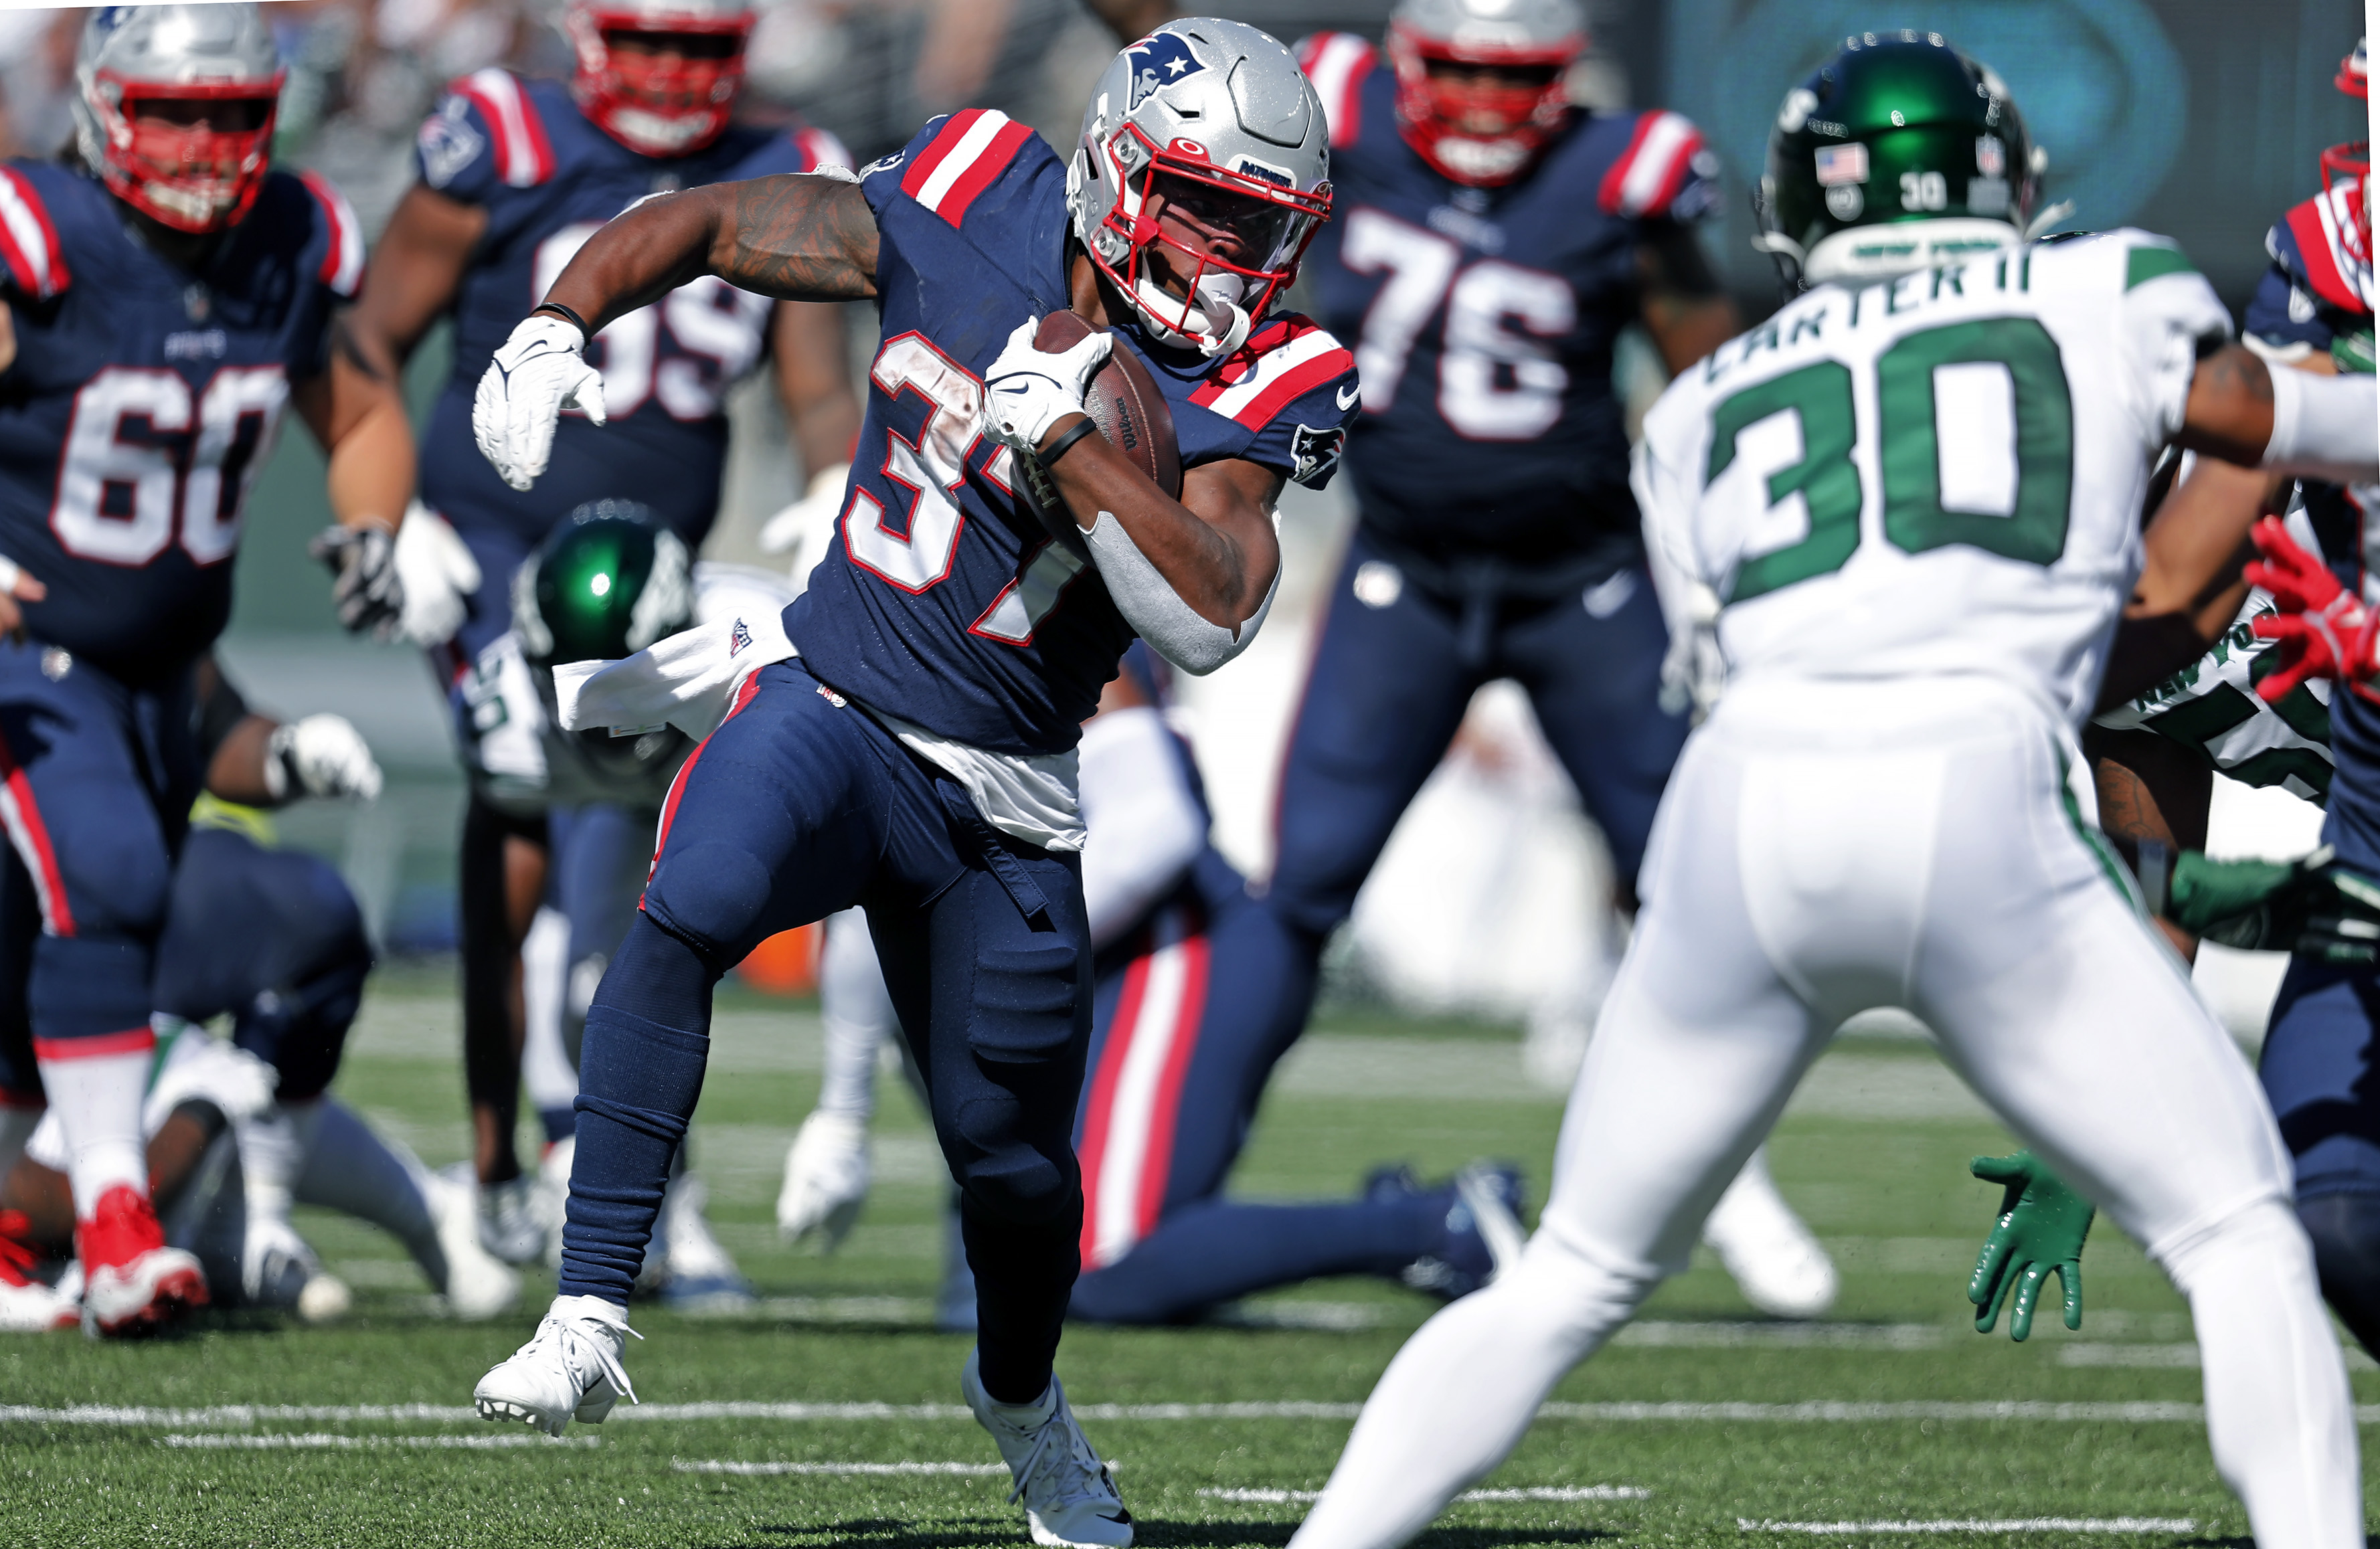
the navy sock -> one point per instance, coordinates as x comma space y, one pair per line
2345, 1229
1216, 1250
639, 1075
1022, 1273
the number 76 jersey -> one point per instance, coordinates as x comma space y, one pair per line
1938, 475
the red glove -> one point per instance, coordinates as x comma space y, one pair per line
2324, 632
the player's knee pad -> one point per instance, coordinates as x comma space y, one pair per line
1584, 1295
2263, 1230
2344, 1228
84, 986
1016, 1167
713, 895
660, 976
301, 1031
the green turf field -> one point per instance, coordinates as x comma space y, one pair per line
1874, 1154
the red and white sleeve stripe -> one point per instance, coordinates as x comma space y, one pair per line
1337, 64
342, 260
524, 156
820, 149
1310, 358
967, 157
1656, 165
29, 242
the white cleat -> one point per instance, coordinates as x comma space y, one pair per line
569, 1371
1070, 1499
278, 1268
826, 1179
478, 1283
512, 1226
700, 1276
1777, 1263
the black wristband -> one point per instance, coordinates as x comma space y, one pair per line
1066, 443
566, 315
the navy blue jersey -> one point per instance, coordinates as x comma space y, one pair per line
1484, 318
946, 603
547, 178
2316, 295
144, 399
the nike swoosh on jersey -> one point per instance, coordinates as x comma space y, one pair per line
1348, 395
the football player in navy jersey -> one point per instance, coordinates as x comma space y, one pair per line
909, 744
1488, 244
513, 175
167, 298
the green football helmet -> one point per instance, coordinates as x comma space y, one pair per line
607, 581
1900, 154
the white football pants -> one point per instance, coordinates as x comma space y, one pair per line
1826, 849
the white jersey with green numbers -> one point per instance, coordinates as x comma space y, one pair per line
1936, 475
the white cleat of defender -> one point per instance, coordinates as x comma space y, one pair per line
826, 1179
478, 1285
570, 1370
1775, 1260
1070, 1499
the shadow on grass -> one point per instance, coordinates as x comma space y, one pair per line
1148, 1534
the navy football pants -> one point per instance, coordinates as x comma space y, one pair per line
1187, 1029
96, 782
2322, 1075
794, 808
1389, 682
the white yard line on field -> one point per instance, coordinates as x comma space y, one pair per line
728, 1465
1815, 1411
1985, 1525
325, 1441
1526, 1493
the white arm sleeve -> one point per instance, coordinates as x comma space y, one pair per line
857, 1013
1693, 671
1151, 605
2326, 426
1146, 826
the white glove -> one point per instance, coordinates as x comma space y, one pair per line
826, 1179
540, 371
804, 529
439, 576
1026, 390
319, 756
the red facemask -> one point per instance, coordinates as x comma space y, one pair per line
1478, 134
191, 178
2352, 160
664, 105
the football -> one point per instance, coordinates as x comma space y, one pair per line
1124, 403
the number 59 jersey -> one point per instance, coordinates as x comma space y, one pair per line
944, 601
1938, 475
143, 400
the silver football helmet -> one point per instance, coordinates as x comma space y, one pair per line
1204, 171
198, 165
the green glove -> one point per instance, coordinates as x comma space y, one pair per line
2313, 907
2040, 1233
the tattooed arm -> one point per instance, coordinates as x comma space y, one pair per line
796, 236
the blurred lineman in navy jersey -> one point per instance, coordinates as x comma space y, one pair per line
907, 742
1488, 244
168, 298
514, 175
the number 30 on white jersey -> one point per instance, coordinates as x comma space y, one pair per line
1940, 474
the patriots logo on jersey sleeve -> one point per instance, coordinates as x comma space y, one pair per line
1160, 59
1317, 451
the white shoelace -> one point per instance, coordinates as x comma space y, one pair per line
567, 1334
1075, 1449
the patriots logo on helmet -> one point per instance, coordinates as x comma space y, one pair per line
1160, 59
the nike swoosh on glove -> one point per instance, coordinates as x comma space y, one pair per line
1026, 390
2323, 630
540, 371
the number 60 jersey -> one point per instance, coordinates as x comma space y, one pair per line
1938, 475
143, 400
